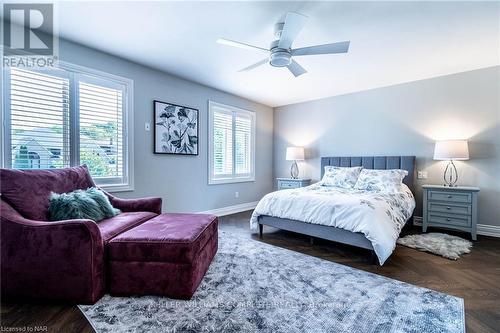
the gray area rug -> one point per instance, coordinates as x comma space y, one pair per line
256, 287
447, 246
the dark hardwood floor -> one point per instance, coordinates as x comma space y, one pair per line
475, 277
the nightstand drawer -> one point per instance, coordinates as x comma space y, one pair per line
450, 196
453, 220
450, 208
290, 183
285, 184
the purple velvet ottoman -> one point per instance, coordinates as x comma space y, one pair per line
167, 255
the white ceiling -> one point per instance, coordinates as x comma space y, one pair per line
391, 42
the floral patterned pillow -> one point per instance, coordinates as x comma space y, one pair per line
343, 177
380, 180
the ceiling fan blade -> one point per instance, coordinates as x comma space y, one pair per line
296, 69
294, 22
257, 64
340, 47
240, 45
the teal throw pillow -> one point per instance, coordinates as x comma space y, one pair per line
90, 204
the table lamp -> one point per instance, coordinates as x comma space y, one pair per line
294, 154
451, 150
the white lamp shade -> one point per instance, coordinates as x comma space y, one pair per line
295, 154
451, 150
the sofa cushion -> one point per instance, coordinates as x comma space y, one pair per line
115, 225
167, 238
91, 204
28, 191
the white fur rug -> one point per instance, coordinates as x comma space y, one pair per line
450, 247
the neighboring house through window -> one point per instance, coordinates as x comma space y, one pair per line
231, 144
69, 116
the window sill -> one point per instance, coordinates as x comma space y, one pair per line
230, 181
116, 188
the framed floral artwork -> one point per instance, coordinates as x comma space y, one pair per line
176, 129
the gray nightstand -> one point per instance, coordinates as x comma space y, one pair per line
285, 183
450, 207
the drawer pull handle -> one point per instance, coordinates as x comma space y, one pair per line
448, 219
448, 208
450, 196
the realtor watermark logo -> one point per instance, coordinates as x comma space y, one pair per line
29, 39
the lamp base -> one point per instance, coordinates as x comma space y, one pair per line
294, 170
450, 175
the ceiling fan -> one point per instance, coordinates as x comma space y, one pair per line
281, 53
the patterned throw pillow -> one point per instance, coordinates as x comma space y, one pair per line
381, 180
343, 177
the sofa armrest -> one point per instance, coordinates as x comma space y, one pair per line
61, 260
150, 204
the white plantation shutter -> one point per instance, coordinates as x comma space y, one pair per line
223, 143
243, 146
69, 116
101, 129
39, 120
231, 146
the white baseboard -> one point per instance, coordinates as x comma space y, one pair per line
488, 230
482, 229
231, 209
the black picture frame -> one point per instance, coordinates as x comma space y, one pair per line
174, 129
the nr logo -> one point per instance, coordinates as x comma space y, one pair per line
28, 28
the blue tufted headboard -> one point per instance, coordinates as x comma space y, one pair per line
375, 162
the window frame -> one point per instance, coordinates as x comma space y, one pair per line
234, 178
75, 73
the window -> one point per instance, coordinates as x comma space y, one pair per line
69, 116
232, 144
101, 130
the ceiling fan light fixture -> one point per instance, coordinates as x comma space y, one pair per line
280, 59
280, 52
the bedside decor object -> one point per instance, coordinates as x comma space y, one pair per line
446, 246
175, 130
451, 150
287, 183
450, 207
294, 154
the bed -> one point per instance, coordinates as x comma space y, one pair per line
277, 209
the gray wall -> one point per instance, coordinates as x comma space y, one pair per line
404, 119
182, 181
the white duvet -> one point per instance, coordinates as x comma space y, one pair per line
379, 216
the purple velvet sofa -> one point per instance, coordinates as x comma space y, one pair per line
138, 252
63, 260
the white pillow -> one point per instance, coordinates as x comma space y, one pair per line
380, 180
343, 177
